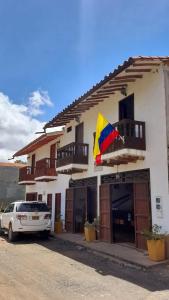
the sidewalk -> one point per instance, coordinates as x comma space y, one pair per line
121, 253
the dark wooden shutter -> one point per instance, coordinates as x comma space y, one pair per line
141, 212
105, 213
40, 197
52, 155
57, 205
49, 201
79, 133
69, 223
31, 196
33, 164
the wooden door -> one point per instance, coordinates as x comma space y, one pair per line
105, 213
69, 223
52, 155
57, 206
33, 164
79, 133
49, 201
31, 196
40, 197
80, 208
141, 212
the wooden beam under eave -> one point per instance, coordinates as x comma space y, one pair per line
122, 81
137, 70
129, 77
115, 85
109, 90
146, 64
97, 97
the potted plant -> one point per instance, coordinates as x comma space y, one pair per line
155, 243
96, 223
90, 232
58, 224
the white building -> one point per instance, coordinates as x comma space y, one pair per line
130, 190
40, 177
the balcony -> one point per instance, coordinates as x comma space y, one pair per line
46, 170
133, 148
72, 158
26, 176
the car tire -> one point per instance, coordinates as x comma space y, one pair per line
45, 234
11, 234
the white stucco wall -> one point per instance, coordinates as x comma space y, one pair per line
149, 106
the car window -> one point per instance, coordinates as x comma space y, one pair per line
31, 207
9, 208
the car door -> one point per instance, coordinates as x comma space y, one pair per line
7, 215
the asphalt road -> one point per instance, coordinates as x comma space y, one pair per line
35, 269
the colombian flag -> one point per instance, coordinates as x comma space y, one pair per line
105, 135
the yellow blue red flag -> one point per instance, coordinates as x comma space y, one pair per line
105, 135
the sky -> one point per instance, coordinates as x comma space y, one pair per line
52, 51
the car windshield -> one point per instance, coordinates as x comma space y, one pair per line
31, 207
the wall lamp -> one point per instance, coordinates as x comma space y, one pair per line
123, 91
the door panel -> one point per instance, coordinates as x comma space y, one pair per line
49, 201
57, 205
105, 213
69, 224
31, 196
33, 164
80, 208
52, 155
141, 212
79, 133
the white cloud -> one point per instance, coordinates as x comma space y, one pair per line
17, 126
38, 99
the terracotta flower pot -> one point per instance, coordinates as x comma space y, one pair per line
58, 226
90, 233
156, 249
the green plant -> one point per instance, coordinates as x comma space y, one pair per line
58, 217
87, 224
154, 233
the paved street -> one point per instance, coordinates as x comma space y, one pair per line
54, 269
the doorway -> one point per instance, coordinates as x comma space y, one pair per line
80, 207
122, 205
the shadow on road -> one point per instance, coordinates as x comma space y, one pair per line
155, 279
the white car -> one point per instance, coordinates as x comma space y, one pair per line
24, 216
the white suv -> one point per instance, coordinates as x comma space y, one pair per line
24, 216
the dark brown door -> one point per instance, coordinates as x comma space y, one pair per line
40, 197
33, 164
52, 155
57, 206
31, 196
69, 224
80, 209
105, 213
141, 212
79, 133
49, 201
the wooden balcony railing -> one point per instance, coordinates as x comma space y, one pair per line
74, 153
45, 167
133, 133
26, 174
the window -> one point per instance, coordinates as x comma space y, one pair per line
126, 108
9, 208
32, 207
69, 129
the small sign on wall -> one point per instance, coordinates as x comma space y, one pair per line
159, 207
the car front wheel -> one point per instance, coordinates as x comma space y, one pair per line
11, 234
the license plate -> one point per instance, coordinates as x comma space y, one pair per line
35, 217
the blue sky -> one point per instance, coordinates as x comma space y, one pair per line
64, 47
